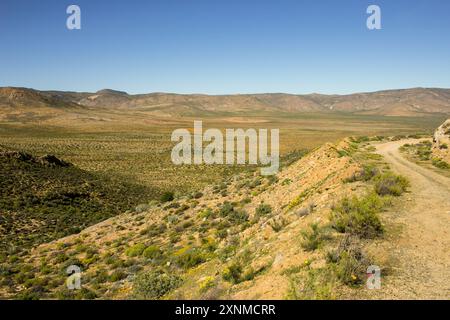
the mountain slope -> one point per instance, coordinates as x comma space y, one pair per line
407, 102
200, 236
44, 198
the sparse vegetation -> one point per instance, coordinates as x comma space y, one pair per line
263, 209
359, 216
390, 184
313, 238
441, 164
155, 284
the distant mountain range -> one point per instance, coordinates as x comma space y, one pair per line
405, 102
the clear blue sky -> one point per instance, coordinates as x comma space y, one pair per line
227, 46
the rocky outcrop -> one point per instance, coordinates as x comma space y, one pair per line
441, 142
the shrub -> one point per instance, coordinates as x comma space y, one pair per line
263, 209
232, 273
151, 252
314, 284
351, 266
167, 196
135, 250
390, 184
312, 238
438, 163
277, 224
155, 284
189, 258
226, 209
359, 215
117, 275
365, 174
233, 215
206, 213
207, 283
155, 230
238, 216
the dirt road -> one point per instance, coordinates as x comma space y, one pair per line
421, 251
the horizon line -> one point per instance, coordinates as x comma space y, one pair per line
226, 94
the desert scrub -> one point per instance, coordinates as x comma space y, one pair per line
312, 284
188, 257
206, 213
233, 273
233, 215
441, 164
263, 209
152, 252
366, 173
167, 196
206, 284
136, 250
278, 223
155, 284
359, 216
390, 184
349, 262
117, 275
313, 237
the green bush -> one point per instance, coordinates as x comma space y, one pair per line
155, 284
135, 250
233, 215
167, 196
190, 258
390, 184
359, 216
117, 275
232, 273
312, 238
351, 267
365, 174
438, 163
151, 252
226, 209
263, 209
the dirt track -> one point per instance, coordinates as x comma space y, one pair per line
422, 250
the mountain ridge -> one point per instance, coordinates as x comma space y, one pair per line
402, 102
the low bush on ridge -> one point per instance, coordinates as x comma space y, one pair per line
359, 216
390, 184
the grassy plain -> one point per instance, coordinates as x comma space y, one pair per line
137, 148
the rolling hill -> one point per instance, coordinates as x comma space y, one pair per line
406, 102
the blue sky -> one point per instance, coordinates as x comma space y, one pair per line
227, 46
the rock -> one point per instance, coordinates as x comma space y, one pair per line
441, 142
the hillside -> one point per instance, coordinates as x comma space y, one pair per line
248, 237
408, 102
45, 198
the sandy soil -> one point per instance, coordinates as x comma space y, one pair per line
422, 250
